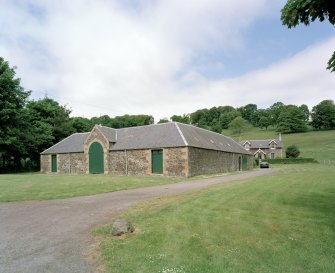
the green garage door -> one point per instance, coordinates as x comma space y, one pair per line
96, 158
54, 163
157, 161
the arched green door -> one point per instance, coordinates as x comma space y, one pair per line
96, 158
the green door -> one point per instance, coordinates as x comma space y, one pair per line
245, 162
96, 158
157, 161
54, 163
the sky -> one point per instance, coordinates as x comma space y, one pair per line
164, 57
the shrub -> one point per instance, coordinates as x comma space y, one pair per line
292, 151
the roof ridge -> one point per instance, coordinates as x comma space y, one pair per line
191, 125
105, 126
181, 133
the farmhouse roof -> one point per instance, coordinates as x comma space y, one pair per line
256, 144
165, 135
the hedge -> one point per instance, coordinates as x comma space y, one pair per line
299, 160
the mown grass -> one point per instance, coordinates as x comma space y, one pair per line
315, 144
34, 186
279, 223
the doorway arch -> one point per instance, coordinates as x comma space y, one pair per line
96, 158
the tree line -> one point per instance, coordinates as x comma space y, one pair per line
27, 127
284, 118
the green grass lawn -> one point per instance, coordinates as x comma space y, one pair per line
279, 223
316, 144
35, 186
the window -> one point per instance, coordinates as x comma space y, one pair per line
272, 156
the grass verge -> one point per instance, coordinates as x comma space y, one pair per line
33, 186
279, 223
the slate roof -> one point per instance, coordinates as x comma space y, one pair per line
166, 135
201, 138
150, 136
109, 133
256, 144
72, 144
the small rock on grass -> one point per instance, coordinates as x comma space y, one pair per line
122, 226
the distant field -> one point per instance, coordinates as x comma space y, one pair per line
35, 186
317, 144
272, 224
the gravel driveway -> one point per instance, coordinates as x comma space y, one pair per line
51, 236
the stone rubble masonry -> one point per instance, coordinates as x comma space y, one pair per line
177, 161
96, 136
139, 162
46, 163
117, 162
202, 161
66, 163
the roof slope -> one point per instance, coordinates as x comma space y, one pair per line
150, 136
201, 138
156, 136
109, 133
72, 144
255, 144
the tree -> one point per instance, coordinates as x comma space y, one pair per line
182, 119
264, 122
274, 111
49, 111
200, 118
291, 120
292, 151
305, 109
247, 112
323, 115
304, 12
227, 117
80, 124
239, 125
13, 98
163, 120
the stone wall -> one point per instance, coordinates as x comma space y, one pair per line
66, 163
175, 161
63, 163
139, 162
46, 163
202, 161
77, 163
184, 161
117, 162
97, 136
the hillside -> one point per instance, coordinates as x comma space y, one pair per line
317, 144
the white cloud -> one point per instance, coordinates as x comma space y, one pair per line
106, 57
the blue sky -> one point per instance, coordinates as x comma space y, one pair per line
163, 57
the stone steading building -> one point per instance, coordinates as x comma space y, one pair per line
170, 149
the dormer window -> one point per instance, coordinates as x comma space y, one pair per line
273, 145
247, 146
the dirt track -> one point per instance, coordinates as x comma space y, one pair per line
51, 236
